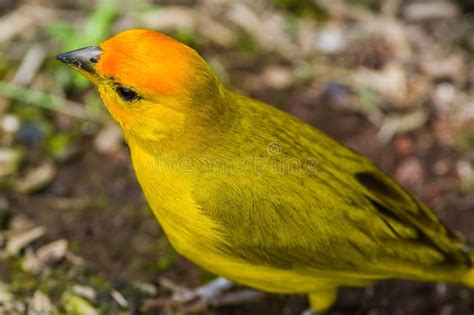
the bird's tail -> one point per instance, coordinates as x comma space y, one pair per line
469, 279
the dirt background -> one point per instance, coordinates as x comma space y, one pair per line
392, 79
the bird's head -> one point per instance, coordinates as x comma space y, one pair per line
152, 84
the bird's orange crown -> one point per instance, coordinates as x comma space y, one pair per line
147, 60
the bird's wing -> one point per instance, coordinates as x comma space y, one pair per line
346, 215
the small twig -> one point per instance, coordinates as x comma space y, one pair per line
158, 303
119, 298
231, 298
240, 297
198, 300
170, 285
18, 240
44, 100
21, 20
396, 124
30, 65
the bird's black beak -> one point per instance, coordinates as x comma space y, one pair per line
82, 59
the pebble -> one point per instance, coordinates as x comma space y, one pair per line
30, 263
330, 40
36, 178
19, 239
10, 159
52, 252
85, 291
145, 287
108, 139
40, 304
278, 77
10, 124
410, 172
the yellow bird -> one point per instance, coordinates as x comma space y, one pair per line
253, 194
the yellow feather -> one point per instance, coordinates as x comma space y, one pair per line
255, 195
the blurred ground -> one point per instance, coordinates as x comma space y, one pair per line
393, 79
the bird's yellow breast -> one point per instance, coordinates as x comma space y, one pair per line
169, 194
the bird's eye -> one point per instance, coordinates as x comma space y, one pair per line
126, 94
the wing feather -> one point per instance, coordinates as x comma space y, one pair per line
346, 216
